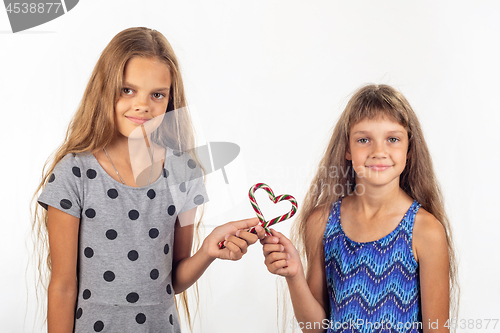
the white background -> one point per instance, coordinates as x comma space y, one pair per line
271, 76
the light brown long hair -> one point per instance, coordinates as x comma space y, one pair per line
335, 176
93, 125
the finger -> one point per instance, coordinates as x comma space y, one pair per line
241, 243
235, 251
281, 238
269, 248
276, 266
247, 236
245, 224
261, 233
269, 240
276, 257
285, 271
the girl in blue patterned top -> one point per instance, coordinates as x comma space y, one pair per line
373, 228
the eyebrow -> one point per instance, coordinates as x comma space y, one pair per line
368, 132
133, 86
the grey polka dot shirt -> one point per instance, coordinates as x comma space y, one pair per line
126, 241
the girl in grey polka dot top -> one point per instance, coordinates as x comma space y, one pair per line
120, 241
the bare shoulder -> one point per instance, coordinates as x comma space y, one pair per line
315, 225
318, 218
429, 235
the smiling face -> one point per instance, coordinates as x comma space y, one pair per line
378, 150
144, 93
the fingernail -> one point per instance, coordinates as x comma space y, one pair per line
288, 256
275, 239
282, 248
237, 233
227, 236
258, 228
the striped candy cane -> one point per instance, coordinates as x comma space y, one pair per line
263, 223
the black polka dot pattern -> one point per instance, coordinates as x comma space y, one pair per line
154, 274
182, 187
171, 320
76, 171
79, 313
86, 294
109, 276
133, 215
191, 164
91, 173
166, 249
199, 199
171, 210
165, 173
88, 252
151, 194
111, 234
153, 233
140, 318
133, 255
52, 178
98, 326
169, 289
177, 153
90, 213
66, 204
132, 297
113, 193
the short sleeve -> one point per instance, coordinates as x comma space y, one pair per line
196, 194
64, 187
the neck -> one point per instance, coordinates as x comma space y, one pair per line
369, 197
119, 148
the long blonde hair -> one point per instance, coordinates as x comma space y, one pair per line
417, 179
93, 125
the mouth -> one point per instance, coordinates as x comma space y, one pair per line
378, 167
139, 121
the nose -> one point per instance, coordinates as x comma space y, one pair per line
140, 103
378, 150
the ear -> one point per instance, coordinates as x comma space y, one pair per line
348, 155
408, 153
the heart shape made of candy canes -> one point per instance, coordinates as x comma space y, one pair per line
283, 197
275, 199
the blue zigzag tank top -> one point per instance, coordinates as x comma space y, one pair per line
374, 286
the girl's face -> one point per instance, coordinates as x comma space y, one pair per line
144, 94
378, 150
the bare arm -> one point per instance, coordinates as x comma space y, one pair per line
188, 269
308, 293
432, 253
62, 290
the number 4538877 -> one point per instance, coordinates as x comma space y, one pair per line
471, 323
32, 8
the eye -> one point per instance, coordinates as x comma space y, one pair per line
127, 91
158, 95
393, 140
363, 140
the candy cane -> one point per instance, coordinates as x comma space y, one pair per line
275, 199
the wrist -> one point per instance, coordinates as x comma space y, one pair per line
297, 278
205, 251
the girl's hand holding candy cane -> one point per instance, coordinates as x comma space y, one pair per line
281, 256
235, 237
